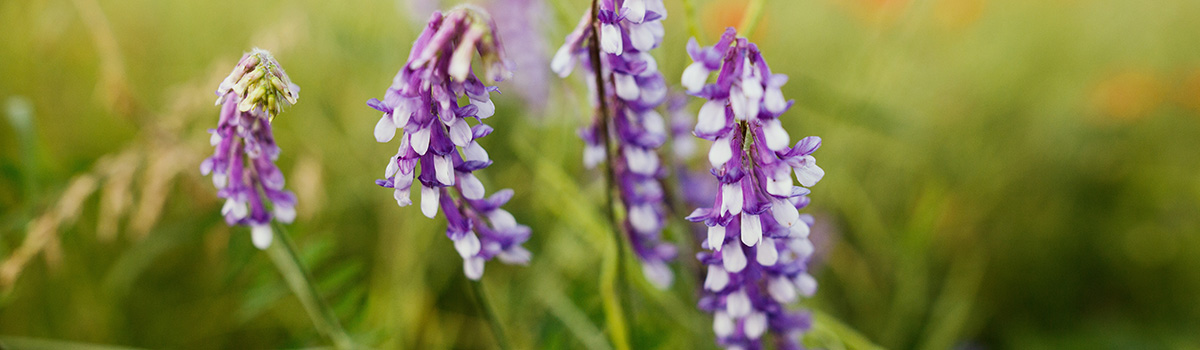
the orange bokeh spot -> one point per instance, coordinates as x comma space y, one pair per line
1189, 92
1128, 95
958, 14
720, 14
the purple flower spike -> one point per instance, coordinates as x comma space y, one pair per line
757, 237
243, 164
635, 88
424, 100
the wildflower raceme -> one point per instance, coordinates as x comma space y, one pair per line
243, 164
424, 100
634, 88
757, 238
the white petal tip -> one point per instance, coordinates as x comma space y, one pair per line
261, 235
430, 199
473, 268
385, 130
658, 274
285, 214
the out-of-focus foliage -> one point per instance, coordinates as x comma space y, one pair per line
1000, 174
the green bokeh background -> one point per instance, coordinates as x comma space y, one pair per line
999, 175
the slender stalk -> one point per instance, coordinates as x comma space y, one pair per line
283, 254
489, 314
750, 18
612, 282
693, 22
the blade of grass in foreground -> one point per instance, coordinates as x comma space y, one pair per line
489, 314
283, 254
613, 288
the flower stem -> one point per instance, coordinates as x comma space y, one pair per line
613, 273
750, 18
283, 254
489, 314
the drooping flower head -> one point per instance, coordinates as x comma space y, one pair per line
438, 135
757, 237
243, 164
634, 88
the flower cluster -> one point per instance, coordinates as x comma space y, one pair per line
424, 101
758, 239
634, 89
243, 164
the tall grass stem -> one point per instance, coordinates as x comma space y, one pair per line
489, 314
283, 254
613, 272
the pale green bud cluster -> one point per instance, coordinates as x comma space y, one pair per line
259, 82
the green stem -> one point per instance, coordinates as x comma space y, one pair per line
624, 298
283, 254
693, 22
612, 274
750, 18
614, 308
489, 314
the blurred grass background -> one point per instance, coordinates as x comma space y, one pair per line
1000, 174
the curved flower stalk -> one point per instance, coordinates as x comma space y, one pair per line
243, 164
438, 135
635, 89
758, 239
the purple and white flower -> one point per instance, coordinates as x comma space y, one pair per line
442, 136
634, 88
243, 164
757, 237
